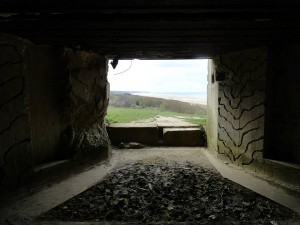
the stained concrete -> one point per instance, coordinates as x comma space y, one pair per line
142, 134
52, 195
182, 137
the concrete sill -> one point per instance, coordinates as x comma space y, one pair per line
284, 164
50, 165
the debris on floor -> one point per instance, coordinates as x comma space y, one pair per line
131, 145
169, 193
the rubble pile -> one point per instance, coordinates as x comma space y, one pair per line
169, 193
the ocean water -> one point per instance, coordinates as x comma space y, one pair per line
196, 95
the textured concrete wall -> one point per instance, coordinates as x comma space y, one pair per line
241, 109
253, 111
89, 96
52, 107
15, 128
283, 104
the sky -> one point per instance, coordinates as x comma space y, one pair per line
159, 75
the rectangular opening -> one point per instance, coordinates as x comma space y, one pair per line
158, 93
139, 84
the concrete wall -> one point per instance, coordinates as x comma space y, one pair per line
256, 117
15, 128
89, 96
283, 104
240, 108
46, 79
52, 107
212, 108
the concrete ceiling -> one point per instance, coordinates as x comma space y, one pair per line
156, 28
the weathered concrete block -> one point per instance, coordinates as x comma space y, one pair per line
182, 137
145, 135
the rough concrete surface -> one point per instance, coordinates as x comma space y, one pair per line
182, 137
160, 130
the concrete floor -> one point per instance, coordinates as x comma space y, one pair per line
22, 210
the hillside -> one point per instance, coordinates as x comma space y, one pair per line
128, 100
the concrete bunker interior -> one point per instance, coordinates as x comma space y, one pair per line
54, 89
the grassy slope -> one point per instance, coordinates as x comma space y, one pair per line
125, 115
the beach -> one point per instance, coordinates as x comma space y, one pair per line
192, 100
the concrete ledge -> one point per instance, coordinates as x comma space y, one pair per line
50, 165
141, 134
182, 137
285, 172
255, 183
48, 172
53, 171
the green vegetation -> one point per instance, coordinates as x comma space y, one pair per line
197, 120
135, 101
125, 108
125, 115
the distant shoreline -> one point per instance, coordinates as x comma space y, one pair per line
198, 101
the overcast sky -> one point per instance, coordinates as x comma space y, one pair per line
159, 76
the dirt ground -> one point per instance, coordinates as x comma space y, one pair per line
162, 155
161, 121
